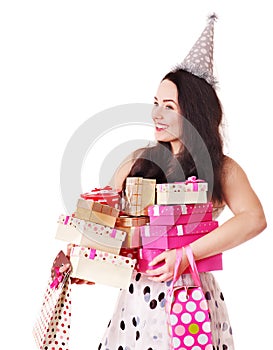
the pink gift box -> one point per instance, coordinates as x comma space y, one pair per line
180, 219
170, 242
179, 214
145, 256
178, 230
212, 263
199, 208
158, 210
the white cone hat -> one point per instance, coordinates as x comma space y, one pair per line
199, 60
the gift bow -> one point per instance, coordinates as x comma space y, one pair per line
58, 279
106, 188
194, 181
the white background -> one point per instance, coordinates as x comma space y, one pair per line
62, 62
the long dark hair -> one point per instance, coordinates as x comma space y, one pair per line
202, 155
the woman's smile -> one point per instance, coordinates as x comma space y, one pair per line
159, 127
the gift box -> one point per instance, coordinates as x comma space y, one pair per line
101, 267
179, 214
132, 239
178, 230
129, 252
212, 263
169, 241
181, 197
170, 237
139, 194
192, 184
89, 234
188, 192
131, 226
96, 212
145, 256
105, 195
130, 221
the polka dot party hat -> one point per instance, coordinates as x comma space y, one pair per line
199, 60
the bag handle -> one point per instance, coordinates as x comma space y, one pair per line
192, 266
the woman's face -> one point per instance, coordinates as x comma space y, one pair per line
166, 113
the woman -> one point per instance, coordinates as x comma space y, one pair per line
187, 117
139, 321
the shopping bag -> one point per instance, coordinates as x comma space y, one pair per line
187, 310
51, 329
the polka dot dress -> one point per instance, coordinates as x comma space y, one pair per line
140, 322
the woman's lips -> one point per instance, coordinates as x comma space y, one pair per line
161, 127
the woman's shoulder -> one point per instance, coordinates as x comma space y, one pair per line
232, 170
126, 165
232, 175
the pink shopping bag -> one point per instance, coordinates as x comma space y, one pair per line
187, 309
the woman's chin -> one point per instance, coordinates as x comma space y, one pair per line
161, 139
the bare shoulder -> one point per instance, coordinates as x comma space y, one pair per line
232, 171
237, 190
123, 170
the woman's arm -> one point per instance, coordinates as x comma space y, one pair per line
247, 222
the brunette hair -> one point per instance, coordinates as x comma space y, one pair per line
202, 111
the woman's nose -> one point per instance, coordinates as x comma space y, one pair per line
157, 112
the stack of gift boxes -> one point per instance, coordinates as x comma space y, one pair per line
181, 215
139, 195
110, 241
97, 243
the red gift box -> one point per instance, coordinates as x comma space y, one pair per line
105, 195
131, 253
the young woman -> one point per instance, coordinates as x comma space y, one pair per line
186, 111
187, 117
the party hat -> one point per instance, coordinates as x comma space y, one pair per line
199, 60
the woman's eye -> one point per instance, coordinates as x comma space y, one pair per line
169, 107
155, 104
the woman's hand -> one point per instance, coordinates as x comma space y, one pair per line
165, 273
65, 268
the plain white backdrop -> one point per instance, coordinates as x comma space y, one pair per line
62, 62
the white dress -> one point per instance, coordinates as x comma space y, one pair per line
139, 321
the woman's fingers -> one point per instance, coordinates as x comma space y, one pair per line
80, 281
159, 271
158, 259
69, 248
64, 268
162, 278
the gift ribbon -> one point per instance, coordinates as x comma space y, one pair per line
180, 230
156, 210
92, 254
194, 181
59, 277
113, 233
